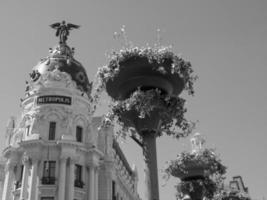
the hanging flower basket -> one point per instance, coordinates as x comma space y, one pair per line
134, 68
201, 164
197, 189
144, 84
140, 72
200, 172
193, 169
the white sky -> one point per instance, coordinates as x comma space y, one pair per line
224, 40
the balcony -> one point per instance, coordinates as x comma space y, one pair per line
48, 180
78, 183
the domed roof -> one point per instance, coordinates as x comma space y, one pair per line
61, 58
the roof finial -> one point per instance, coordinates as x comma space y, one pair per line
63, 30
197, 143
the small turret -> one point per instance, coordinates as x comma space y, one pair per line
9, 129
11, 123
197, 143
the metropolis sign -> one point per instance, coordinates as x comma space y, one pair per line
54, 99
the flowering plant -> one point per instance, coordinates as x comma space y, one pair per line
153, 55
205, 187
206, 158
170, 111
207, 182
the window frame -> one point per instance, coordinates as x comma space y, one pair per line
80, 167
28, 128
50, 162
20, 176
47, 198
113, 190
52, 130
78, 176
79, 133
49, 176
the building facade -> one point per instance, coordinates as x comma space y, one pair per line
54, 150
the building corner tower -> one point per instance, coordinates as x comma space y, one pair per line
51, 149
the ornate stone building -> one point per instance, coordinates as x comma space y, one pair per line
54, 150
237, 188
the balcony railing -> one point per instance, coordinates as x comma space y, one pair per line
48, 180
78, 183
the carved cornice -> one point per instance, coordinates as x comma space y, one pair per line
94, 158
48, 190
33, 149
80, 193
63, 157
96, 152
11, 152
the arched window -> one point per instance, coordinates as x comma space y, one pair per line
79, 133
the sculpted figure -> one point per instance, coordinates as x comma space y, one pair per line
63, 30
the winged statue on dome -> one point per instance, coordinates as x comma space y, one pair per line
62, 30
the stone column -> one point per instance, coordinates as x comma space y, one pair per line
96, 182
106, 180
91, 183
87, 183
71, 180
24, 184
33, 180
9, 180
39, 175
62, 178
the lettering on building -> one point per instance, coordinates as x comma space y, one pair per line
54, 99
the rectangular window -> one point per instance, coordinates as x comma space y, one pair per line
78, 176
113, 190
21, 173
49, 173
78, 172
79, 133
52, 130
19, 181
47, 198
